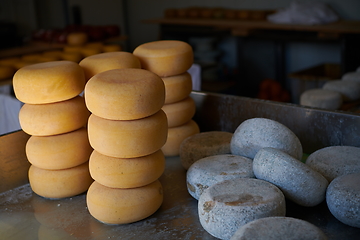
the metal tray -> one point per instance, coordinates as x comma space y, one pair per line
24, 215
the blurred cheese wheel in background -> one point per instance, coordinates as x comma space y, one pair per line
53, 53
77, 38
48, 82
128, 139
54, 118
179, 113
165, 57
126, 172
107, 61
60, 183
111, 48
59, 151
69, 48
9, 61
72, 56
177, 87
31, 57
90, 51
6, 72
120, 206
125, 94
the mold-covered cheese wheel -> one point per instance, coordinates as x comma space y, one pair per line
177, 87
121, 206
54, 118
48, 82
126, 172
179, 113
60, 183
128, 139
125, 94
165, 57
321, 98
59, 151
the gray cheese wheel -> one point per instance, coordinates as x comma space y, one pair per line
352, 76
226, 206
203, 145
299, 182
321, 98
213, 169
335, 161
279, 228
343, 199
350, 90
257, 133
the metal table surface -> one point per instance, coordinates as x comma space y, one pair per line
24, 215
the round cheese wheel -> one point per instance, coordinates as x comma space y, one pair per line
126, 172
165, 57
111, 48
349, 90
6, 72
297, 181
22, 63
226, 206
128, 139
180, 112
213, 169
90, 51
60, 183
177, 87
256, 133
204, 144
53, 53
334, 161
121, 206
48, 82
125, 94
77, 38
321, 98
54, 118
59, 151
72, 56
72, 49
274, 228
9, 61
33, 57
107, 61
176, 136
351, 76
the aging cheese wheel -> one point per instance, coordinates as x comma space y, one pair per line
54, 118
321, 98
126, 172
165, 57
351, 76
128, 139
111, 48
48, 82
176, 136
120, 206
125, 94
77, 38
107, 61
90, 51
226, 206
177, 87
180, 112
72, 56
349, 90
6, 72
60, 183
59, 151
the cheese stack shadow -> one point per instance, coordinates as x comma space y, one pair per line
55, 116
126, 129
170, 59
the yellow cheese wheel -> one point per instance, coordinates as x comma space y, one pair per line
165, 57
72, 56
9, 61
128, 139
176, 135
48, 82
107, 61
111, 48
53, 53
60, 183
72, 49
121, 206
180, 112
125, 94
6, 72
53, 118
177, 87
59, 151
126, 172
77, 38
89, 51
22, 63
33, 57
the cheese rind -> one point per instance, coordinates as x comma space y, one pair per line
126, 94
126, 172
178, 87
128, 139
179, 113
121, 206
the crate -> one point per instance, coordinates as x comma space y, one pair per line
314, 77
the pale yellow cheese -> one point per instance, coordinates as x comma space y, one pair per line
48, 82
177, 87
125, 94
59, 151
121, 206
180, 112
128, 138
126, 172
54, 118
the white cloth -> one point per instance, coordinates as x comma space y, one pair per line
9, 114
195, 72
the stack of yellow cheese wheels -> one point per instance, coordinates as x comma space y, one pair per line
55, 116
127, 129
170, 59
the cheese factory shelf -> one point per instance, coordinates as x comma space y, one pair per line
24, 215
